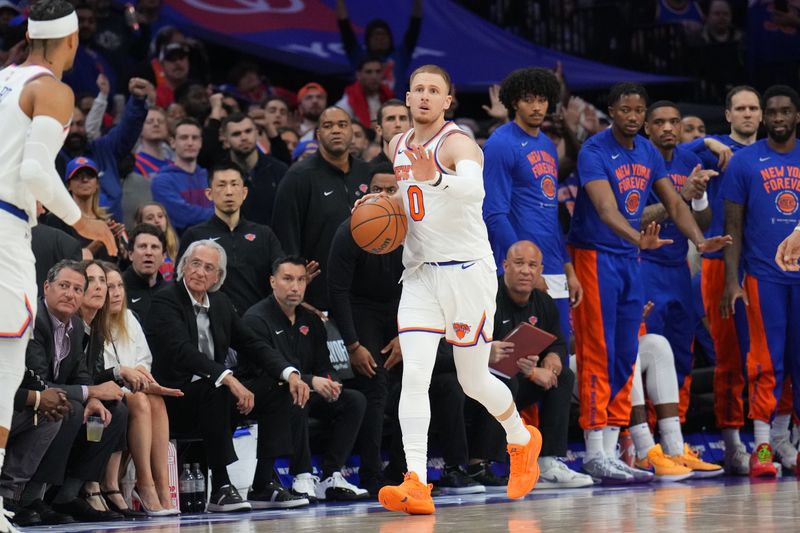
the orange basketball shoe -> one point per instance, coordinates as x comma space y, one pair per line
524, 470
410, 497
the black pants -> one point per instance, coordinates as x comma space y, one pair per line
207, 410
27, 445
273, 411
487, 439
447, 428
71, 455
375, 327
344, 416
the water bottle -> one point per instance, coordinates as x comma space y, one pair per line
199, 488
186, 488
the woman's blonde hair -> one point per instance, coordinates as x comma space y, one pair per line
117, 325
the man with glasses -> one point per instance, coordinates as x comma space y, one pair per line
191, 328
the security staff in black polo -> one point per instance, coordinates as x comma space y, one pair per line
364, 293
547, 379
251, 247
317, 194
299, 335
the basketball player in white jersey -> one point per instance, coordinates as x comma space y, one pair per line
35, 111
449, 288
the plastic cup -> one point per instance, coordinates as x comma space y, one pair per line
94, 429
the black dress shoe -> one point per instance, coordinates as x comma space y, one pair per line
22, 517
83, 512
128, 513
48, 516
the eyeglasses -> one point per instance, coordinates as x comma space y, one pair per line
208, 268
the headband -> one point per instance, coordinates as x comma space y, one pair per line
53, 29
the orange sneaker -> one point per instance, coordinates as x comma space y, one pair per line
761, 464
410, 497
524, 470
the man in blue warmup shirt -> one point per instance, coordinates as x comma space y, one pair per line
761, 191
665, 271
617, 169
743, 112
521, 180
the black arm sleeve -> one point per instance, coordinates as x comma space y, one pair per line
412, 35
341, 266
211, 153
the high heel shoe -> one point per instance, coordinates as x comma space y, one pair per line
128, 513
162, 512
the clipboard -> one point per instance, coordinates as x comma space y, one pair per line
528, 340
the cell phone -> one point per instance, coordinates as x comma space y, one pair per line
781, 5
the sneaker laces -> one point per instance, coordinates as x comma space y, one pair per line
416, 488
306, 482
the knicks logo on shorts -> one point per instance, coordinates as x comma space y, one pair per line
549, 187
402, 172
632, 202
461, 329
786, 202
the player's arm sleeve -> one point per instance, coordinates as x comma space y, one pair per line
466, 182
38, 172
497, 202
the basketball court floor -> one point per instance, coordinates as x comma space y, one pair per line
724, 504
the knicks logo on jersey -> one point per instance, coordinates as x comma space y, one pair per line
786, 202
632, 202
461, 329
402, 172
549, 187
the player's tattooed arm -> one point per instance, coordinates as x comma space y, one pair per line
734, 224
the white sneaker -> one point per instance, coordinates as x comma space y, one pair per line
336, 488
554, 474
305, 485
737, 461
5, 525
785, 453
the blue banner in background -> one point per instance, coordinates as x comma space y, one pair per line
304, 34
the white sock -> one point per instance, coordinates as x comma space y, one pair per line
642, 439
669, 431
516, 432
610, 439
415, 444
780, 428
2, 458
731, 438
760, 432
594, 443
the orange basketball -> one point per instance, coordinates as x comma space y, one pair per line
379, 225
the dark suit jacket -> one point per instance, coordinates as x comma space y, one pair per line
40, 355
171, 330
51, 245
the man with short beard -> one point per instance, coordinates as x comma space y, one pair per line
262, 171
760, 192
317, 194
312, 98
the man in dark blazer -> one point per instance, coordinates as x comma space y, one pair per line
56, 355
190, 328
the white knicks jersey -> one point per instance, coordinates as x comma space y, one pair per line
441, 227
16, 124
